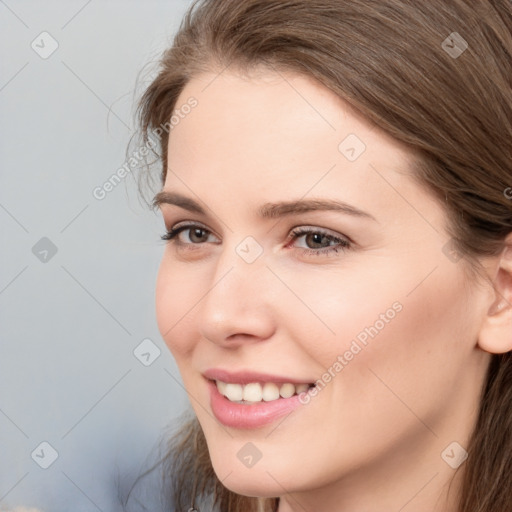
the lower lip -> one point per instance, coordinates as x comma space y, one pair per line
248, 416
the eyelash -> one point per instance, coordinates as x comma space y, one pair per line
343, 244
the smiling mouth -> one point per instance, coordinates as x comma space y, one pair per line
256, 392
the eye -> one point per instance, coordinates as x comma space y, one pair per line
197, 234
319, 242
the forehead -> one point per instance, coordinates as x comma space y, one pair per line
274, 107
263, 135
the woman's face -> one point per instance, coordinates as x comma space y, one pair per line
268, 285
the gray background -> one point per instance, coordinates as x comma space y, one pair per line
69, 324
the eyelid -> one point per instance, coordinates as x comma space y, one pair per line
188, 223
316, 229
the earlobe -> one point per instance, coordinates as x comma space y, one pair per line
496, 331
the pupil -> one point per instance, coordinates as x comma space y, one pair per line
317, 238
197, 232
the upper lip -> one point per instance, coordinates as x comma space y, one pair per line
248, 376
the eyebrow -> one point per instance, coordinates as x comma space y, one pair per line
267, 210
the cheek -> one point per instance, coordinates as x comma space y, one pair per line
176, 294
410, 327
334, 306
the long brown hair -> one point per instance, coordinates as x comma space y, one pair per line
437, 76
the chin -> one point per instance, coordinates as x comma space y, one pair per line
249, 487
262, 480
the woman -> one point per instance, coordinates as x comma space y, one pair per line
336, 286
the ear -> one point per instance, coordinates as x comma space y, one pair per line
496, 331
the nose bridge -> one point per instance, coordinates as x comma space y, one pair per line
237, 300
241, 268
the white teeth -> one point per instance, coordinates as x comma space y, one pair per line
252, 392
287, 390
255, 392
270, 392
300, 388
233, 392
221, 386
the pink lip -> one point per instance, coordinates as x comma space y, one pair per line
245, 377
249, 416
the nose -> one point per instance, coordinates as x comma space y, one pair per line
237, 306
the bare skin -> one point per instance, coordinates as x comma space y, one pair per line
372, 439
